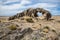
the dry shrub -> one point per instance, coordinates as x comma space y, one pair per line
30, 20
12, 27
58, 21
46, 29
0, 20
3, 21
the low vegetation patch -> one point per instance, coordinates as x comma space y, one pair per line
12, 27
30, 20
0, 20
46, 27
58, 21
34, 38
53, 30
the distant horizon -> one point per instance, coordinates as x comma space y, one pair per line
13, 15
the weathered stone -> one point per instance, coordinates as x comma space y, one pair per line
32, 13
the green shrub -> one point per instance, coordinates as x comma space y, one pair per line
12, 27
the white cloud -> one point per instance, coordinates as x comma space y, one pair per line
49, 0
11, 9
15, 6
9, 12
21, 5
22, 1
25, 2
9, 1
42, 5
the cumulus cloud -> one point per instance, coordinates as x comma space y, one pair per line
14, 8
46, 6
11, 7
7, 1
49, 0
43, 5
25, 2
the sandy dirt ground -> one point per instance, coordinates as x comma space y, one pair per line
48, 30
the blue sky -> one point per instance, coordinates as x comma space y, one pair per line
12, 7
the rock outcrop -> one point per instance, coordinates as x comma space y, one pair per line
32, 13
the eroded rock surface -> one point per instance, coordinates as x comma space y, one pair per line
48, 30
32, 13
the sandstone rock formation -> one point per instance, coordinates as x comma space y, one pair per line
45, 13
33, 13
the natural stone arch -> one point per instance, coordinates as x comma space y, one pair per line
44, 12
33, 13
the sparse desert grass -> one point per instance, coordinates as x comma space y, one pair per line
17, 20
41, 38
45, 30
36, 27
42, 30
0, 20
58, 21
27, 19
46, 27
30, 20
34, 38
12, 27
53, 30
59, 34
3, 20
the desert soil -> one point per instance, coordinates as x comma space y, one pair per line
23, 30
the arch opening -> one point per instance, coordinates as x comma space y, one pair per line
39, 14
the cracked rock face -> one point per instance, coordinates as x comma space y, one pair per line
32, 13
